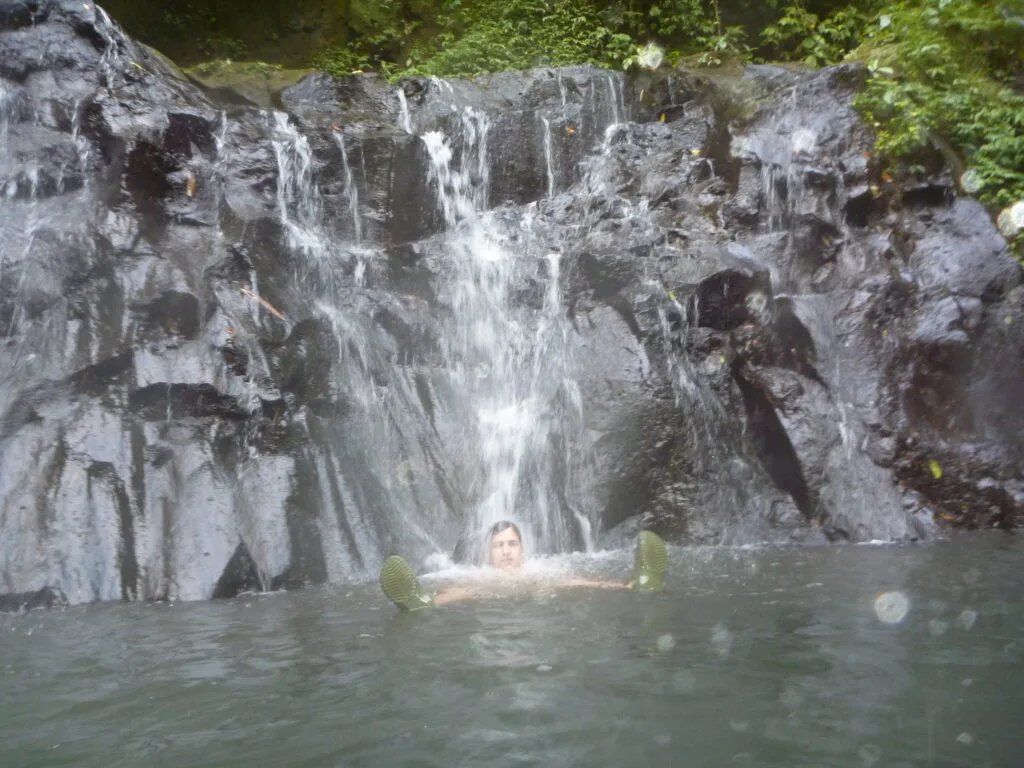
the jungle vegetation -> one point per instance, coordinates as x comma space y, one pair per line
942, 72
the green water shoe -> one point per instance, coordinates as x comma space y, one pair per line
401, 587
651, 563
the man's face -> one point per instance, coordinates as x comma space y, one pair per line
506, 551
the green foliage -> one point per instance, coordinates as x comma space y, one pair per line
691, 27
199, 24
731, 42
451, 38
804, 36
941, 69
492, 36
940, 72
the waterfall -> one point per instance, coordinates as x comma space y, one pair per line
84, 149
351, 191
402, 326
405, 119
8, 107
507, 363
381, 470
298, 197
615, 100
112, 62
548, 156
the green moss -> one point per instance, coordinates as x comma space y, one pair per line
254, 81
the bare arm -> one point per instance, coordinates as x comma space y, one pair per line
595, 584
459, 593
453, 594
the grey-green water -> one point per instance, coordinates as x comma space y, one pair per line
751, 658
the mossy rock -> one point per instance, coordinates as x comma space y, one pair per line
250, 83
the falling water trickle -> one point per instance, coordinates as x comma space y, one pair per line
403, 115
298, 197
351, 190
548, 157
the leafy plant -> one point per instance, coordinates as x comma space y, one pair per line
802, 35
493, 36
939, 73
729, 42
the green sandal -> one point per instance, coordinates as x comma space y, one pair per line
651, 563
401, 587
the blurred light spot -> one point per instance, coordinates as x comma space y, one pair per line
967, 618
650, 56
965, 738
544, 668
721, 639
870, 754
666, 643
891, 607
663, 739
972, 576
740, 726
741, 756
967, 682
938, 627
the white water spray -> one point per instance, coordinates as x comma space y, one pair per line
506, 361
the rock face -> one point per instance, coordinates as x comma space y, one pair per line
245, 349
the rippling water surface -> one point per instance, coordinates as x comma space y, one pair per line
853, 656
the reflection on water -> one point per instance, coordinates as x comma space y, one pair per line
853, 656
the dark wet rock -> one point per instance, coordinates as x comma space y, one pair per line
47, 597
226, 333
241, 574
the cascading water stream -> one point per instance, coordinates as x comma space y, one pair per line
793, 210
548, 156
112, 61
404, 118
298, 198
718, 475
381, 468
509, 375
351, 190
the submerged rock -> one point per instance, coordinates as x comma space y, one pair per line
243, 348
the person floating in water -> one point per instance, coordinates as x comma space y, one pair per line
506, 553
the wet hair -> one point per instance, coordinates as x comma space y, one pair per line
503, 525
